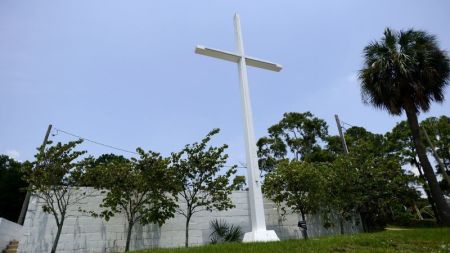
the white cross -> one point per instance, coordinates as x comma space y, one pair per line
258, 222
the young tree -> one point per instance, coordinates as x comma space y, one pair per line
405, 72
143, 189
201, 186
55, 177
297, 185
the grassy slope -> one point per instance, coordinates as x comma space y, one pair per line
412, 240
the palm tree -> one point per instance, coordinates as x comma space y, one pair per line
406, 71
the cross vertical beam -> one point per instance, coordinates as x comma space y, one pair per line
255, 199
256, 205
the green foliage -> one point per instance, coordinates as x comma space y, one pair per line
143, 189
12, 188
297, 136
239, 183
438, 130
405, 68
202, 187
297, 185
401, 144
371, 187
223, 232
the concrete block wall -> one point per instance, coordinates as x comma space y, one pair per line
9, 231
82, 233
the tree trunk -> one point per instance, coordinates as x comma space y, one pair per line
130, 228
341, 224
304, 231
58, 233
442, 208
188, 218
363, 222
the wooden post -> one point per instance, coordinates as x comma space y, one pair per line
26, 201
344, 143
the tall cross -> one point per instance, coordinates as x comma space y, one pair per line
258, 222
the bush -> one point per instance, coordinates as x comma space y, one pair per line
223, 232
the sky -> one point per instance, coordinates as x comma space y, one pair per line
124, 73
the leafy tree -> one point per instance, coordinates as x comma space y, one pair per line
202, 187
55, 177
406, 71
363, 180
297, 136
343, 189
370, 186
142, 188
297, 185
11, 188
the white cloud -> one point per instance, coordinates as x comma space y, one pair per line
13, 154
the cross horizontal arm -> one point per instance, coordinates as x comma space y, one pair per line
262, 64
228, 56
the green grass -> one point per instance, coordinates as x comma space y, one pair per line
409, 240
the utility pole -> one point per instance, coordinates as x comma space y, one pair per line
433, 149
338, 123
26, 201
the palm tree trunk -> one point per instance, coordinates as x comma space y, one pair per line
441, 205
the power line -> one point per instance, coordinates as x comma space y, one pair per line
113, 147
345, 123
95, 142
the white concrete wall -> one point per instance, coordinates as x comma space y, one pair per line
9, 231
87, 234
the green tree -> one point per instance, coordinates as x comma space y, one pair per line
55, 178
297, 136
406, 71
141, 188
297, 185
343, 189
201, 185
370, 186
11, 188
369, 180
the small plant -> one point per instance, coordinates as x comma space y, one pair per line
223, 232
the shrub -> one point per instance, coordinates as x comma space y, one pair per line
223, 232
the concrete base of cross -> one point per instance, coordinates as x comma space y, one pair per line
260, 236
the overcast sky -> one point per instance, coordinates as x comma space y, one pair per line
124, 73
